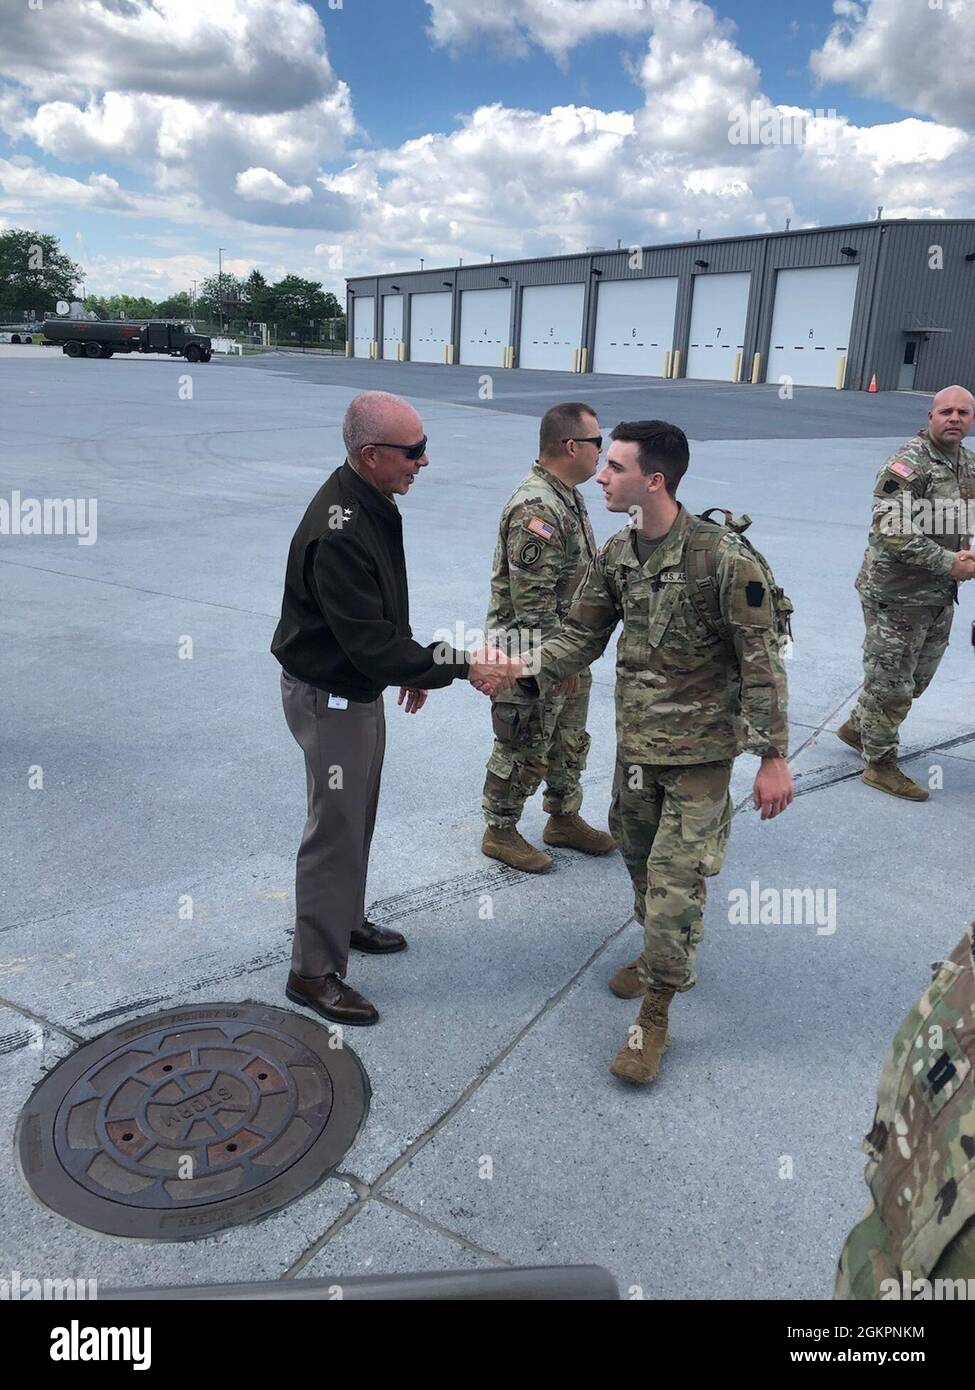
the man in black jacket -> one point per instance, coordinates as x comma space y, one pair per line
344, 636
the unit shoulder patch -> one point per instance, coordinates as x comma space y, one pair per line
529, 553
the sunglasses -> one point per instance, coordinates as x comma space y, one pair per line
412, 451
596, 439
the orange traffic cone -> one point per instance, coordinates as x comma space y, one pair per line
873, 383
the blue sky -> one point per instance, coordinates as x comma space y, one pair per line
338, 141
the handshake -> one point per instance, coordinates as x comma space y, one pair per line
964, 566
492, 671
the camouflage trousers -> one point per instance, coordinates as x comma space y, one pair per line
545, 739
902, 649
672, 824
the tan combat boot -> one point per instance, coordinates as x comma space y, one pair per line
850, 736
572, 832
886, 776
638, 1060
626, 983
504, 843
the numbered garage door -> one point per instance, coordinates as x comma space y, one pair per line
718, 311
551, 326
634, 326
811, 324
429, 326
485, 320
363, 321
392, 325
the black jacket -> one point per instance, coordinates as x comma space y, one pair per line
345, 616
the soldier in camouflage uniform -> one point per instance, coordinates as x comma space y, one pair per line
685, 696
920, 1221
908, 583
545, 543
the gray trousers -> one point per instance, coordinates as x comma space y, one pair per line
343, 751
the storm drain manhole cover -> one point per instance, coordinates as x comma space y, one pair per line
181, 1124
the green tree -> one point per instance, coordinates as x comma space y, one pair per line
258, 297
177, 306
220, 296
34, 272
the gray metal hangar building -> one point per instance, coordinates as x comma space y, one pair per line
822, 306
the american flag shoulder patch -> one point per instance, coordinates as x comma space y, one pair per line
902, 469
540, 528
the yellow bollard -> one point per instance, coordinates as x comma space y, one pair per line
666, 371
736, 370
676, 372
841, 373
756, 368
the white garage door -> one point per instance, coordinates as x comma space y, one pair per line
551, 326
485, 319
634, 326
718, 312
429, 326
392, 324
363, 321
811, 324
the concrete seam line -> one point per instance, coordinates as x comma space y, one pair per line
135, 589
39, 1018
457, 1105
413, 1215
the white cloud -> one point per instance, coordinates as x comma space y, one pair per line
265, 185
918, 56
514, 25
251, 55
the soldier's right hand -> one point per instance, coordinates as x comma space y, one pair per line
490, 671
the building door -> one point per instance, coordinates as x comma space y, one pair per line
485, 317
429, 325
363, 323
392, 325
908, 367
811, 320
634, 326
717, 333
551, 326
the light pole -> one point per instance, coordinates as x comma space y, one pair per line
220, 251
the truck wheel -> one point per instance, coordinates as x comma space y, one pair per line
193, 353
73, 349
93, 349
207, 354
105, 351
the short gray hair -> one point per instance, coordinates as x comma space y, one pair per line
365, 419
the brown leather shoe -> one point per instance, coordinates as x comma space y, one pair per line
886, 776
572, 832
376, 941
638, 1060
333, 999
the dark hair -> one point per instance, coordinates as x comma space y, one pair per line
560, 422
662, 448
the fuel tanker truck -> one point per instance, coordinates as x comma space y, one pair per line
99, 338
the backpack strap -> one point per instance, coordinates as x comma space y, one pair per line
701, 572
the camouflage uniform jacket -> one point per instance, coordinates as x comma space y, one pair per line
921, 1172
912, 566
684, 694
545, 544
